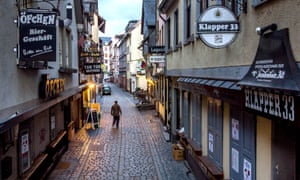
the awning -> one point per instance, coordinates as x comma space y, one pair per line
274, 66
210, 82
11, 116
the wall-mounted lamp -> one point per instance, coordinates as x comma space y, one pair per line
261, 30
15, 49
16, 21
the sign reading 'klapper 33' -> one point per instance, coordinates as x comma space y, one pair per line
218, 27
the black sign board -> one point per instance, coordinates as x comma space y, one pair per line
49, 88
37, 36
92, 68
274, 65
157, 49
93, 117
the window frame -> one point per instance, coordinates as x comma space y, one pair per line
187, 21
168, 34
235, 6
176, 28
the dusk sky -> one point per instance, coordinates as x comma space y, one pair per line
117, 13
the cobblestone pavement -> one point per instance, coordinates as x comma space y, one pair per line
135, 151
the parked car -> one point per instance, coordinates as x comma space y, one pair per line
106, 90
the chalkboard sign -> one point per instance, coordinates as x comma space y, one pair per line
94, 115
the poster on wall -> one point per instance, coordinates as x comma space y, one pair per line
235, 160
235, 129
247, 170
37, 35
25, 158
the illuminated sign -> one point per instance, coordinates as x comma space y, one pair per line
90, 54
50, 88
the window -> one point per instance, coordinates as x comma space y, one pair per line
187, 22
234, 5
176, 28
168, 34
64, 50
215, 130
25, 4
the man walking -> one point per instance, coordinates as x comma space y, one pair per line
116, 113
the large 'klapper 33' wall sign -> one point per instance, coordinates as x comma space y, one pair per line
272, 84
37, 35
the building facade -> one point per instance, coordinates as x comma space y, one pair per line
105, 44
136, 77
122, 51
230, 67
41, 93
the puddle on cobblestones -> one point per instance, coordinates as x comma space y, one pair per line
63, 165
95, 147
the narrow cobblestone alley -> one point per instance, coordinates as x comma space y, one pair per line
137, 150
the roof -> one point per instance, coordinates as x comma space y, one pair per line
148, 14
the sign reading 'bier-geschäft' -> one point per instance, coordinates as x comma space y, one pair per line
37, 35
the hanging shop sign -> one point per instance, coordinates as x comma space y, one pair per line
89, 51
274, 65
157, 59
50, 88
271, 86
37, 36
157, 49
92, 68
218, 27
89, 54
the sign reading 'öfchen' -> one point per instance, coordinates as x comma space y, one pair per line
50, 88
37, 35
